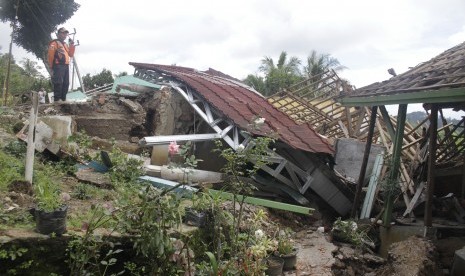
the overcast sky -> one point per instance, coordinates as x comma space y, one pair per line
366, 36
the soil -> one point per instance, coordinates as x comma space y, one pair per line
414, 256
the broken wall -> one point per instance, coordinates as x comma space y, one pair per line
130, 118
349, 156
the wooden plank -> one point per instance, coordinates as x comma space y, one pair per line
349, 122
418, 126
344, 129
188, 191
360, 119
414, 199
372, 187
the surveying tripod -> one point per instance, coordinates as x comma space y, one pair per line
75, 67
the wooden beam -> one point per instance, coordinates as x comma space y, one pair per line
387, 121
445, 95
188, 191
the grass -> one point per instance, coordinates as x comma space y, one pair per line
12, 169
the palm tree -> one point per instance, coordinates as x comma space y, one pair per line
31, 68
257, 82
280, 76
320, 63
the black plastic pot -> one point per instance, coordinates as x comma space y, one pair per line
290, 260
274, 266
195, 218
51, 222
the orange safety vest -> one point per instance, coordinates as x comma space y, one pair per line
59, 52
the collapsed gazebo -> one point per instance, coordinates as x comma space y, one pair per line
337, 111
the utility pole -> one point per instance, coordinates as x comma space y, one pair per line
6, 83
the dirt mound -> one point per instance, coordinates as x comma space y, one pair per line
414, 256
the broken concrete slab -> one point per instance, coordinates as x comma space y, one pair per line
63, 126
133, 106
95, 178
315, 255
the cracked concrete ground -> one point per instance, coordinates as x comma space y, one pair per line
315, 254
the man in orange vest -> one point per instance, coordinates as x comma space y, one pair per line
59, 54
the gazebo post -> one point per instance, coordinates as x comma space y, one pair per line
431, 164
395, 164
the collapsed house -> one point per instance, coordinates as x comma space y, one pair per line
162, 104
234, 112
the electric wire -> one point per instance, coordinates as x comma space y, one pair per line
31, 10
46, 19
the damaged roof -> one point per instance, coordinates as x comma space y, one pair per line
243, 105
439, 80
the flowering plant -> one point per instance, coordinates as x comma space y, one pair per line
263, 245
173, 148
285, 243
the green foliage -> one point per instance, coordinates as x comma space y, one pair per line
21, 80
238, 163
102, 78
257, 82
47, 191
281, 75
83, 145
151, 219
13, 253
190, 162
82, 191
85, 252
36, 21
285, 243
66, 165
16, 149
234, 249
288, 71
134, 269
12, 169
319, 63
125, 170
348, 231
15, 217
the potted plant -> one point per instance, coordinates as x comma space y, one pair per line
50, 212
286, 250
200, 212
274, 266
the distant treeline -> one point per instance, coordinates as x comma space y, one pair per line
416, 117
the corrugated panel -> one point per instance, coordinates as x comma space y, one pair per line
241, 104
